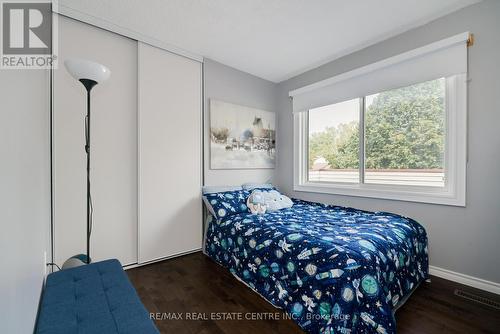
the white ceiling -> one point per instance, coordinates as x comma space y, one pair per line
272, 39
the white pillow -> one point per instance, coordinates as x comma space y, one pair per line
252, 186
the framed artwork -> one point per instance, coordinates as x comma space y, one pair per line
241, 137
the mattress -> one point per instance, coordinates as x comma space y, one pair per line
331, 269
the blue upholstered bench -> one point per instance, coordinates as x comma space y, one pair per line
96, 298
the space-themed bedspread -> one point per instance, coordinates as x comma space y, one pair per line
332, 269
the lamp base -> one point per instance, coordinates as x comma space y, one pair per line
76, 261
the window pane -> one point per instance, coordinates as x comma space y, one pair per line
405, 135
334, 143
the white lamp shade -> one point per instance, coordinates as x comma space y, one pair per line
85, 69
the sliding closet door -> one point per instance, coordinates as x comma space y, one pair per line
170, 212
113, 146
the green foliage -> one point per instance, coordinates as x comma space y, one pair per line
404, 129
339, 146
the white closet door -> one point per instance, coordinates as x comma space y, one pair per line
113, 146
170, 206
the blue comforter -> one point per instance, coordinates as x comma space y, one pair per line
332, 269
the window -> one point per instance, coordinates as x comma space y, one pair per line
394, 129
334, 142
405, 148
404, 136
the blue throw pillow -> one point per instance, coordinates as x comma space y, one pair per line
227, 203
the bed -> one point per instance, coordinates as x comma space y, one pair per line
331, 269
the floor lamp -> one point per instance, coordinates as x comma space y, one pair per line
89, 74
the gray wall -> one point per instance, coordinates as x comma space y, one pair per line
24, 195
230, 85
463, 240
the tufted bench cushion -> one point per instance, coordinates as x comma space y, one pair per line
95, 298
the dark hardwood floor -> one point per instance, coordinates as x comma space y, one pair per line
195, 286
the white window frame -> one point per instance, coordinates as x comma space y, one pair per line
453, 193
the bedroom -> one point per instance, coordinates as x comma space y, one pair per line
250, 166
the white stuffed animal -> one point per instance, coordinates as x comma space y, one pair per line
262, 201
256, 203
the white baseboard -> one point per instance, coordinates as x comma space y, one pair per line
474, 282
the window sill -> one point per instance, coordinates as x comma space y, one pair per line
408, 194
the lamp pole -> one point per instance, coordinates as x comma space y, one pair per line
89, 84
